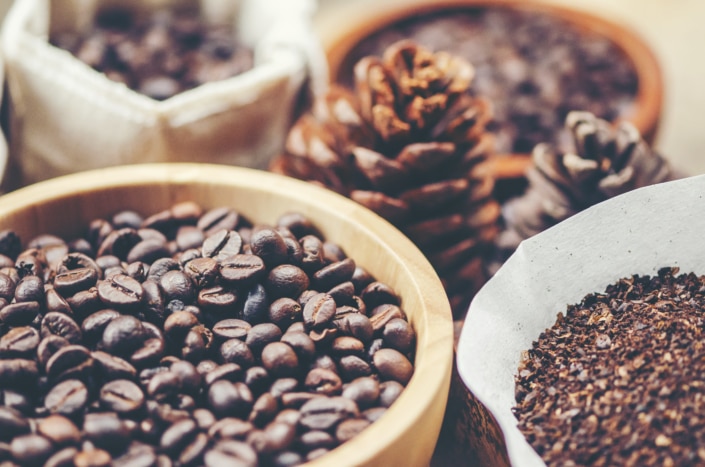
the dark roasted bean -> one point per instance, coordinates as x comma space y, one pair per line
106, 431
231, 329
59, 324
377, 293
393, 365
177, 286
319, 311
228, 371
75, 280
302, 344
260, 335
242, 269
123, 335
218, 219
323, 413
19, 342
222, 244
31, 449
230, 452
323, 381
12, 423
111, 367
352, 366
269, 245
67, 398
286, 280
256, 305
389, 391
230, 399
121, 396
280, 360
20, 313
59, 430
236, 351
264, 410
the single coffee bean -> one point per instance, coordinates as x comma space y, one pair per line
20, 313
383, 314
260, 335
343, 293
256, 305
377, 293
346, 345
228, 371
361, 279
197, 343
63, 458
67, 398
231, 329
323, 413
264, 410
31, 449
94, 324
161, 267
93, 458
348, 429
230, 452
120, 291
319, 311
397, 334
76, 260
312, 249
147, 251
30, 289
204, 419
123, 335
189, 378
75, 280
106, 431
284, 311
236, 351
230, 428
59, 324
59, 430
315, 439
222, 244
177, 286
112, 367
189, 236
217, 299
7, 287
269, 245
286, 280
242, 270
302, 344
153, 301
150, 353
85, 302
19, 342
57, 303
352, 366
294, 400
323, 381
194, 451
389, 391
356, 325
119, 242
178, 435
31, 262
163, 385
364, 391
393, 365
221, 218
202, 271
121, 396
66, 359
230, 399
178, 324
333, 274
280, 360
48, 346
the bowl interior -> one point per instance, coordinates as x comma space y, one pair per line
65, 205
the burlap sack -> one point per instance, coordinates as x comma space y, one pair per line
66, 117
635, 233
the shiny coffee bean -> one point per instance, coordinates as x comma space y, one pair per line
333, 274
230, 399
31, 449
120, 291
302, 344
228, 371
222, 244
59, 430
178, 324
30, 289
19, 342
323, 381
256, 305
269, 245
150, 353
217, 299
236, 351
364, 391
280, 360
221, 218
123, 335
48, 346
393, 365
160, 267
106, 431
260, 335
68, 359
112, 367
147, 251
323, 413
356, 325
67, 398
389, 391
312, 249
121, 396
284, 311
242, 270
230, 452
75, 280
12, 423
59, 324
178, 435
20, 313
231, 329
286, 280
398, 334
319, 311
352, 366
378, 293
197, 343
382, 314
177, 286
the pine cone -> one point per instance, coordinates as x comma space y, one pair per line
605, 162
410, 145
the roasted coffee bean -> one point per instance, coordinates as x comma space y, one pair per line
178, 435
364, 391
93, 458
377, 293
71, 361
312, 248
204, 366
315, 439
397, 334
57, 303
75, 280
197, 342
325, 361
393, 365
231, 329
59, 430
119, 242
149, 353
230, 428
236, 351
178, 324
20, 313
120, 291
302, 344
230, 452
269, 245
121, 396
280, 360
189, 378
30, 289
242, 269
222, 218
284, 311
323, 381
348, 429
389, 391
295, 252
160, 267
383, 314
106, 431
264, 410
257, 379
298, 224
18, 372
12, 423
230, 399
48, 346
19, 342
147, 251
31, 262
222, 244
260, 335
286, 280
85, 302
112, 367
294, 400
7, 287
20, 401
346, 345
228, 371
189, 236
10, 244
31, 449
356, 325
352, 366
153, 301
163, 385
323, 337
202, 271
217, 299
204, 419
59, 324
343, 293
123, 335
67, 398
194, 451
319, 311
256, 305
324, 413
282, 386
62, 458
94, 325
177, 286
333, 274
361, 278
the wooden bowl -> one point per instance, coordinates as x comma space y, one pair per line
340, 40
407, 433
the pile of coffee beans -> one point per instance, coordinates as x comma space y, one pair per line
618, 379
533, 67
191, 337
161, 55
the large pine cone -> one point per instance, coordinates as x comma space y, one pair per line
410, 145
606, 161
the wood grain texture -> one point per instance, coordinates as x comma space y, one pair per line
407, 433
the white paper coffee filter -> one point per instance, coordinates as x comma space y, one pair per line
635, 233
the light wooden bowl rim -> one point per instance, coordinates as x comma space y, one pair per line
425, 396
649, 99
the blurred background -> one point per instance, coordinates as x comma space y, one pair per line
672, 28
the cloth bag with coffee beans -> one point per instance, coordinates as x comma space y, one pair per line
66, 117
635, 233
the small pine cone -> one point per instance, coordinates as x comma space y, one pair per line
604, 163
410, 144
